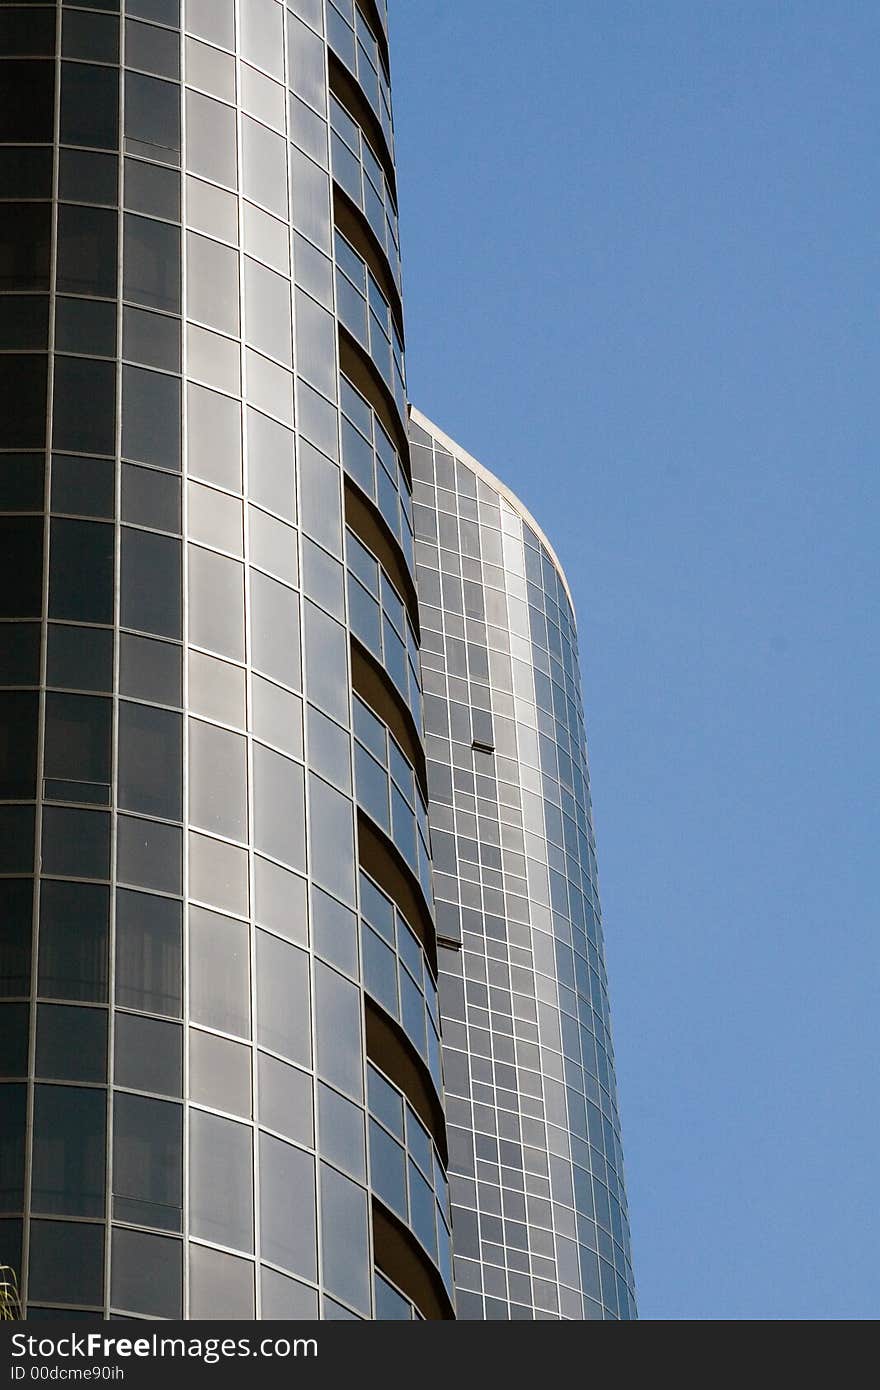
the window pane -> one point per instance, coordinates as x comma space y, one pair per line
150, 582
221, 1190
71, 1043
66, 1263
210, 139
73, 940
331, 837
219, 1073
76, 843
283, 1022
151, 263
286, 1099
149, 854
218, 780
338, 1027
276, 634
152, 190
152, 115
148, 1055
81, 571
287, 1204
150, 498
342, 1131
83, 486
148, 953
286, 1299
149, 670
78, 742
80, 658
151, 417
147, 1274
87, 250
150, 760
13, 1127
16, 913
18, 744
271, 471
84, 405
147, 1161
219, 972
220, 1286
388, 1170
279, 807
89, 106
216, 596
68, 1159
345, 1239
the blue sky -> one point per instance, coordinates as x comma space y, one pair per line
641, 261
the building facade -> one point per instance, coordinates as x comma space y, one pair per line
539, 1210
222, 1087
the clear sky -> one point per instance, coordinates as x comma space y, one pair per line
641, 256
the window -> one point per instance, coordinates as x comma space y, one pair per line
221, 1172
73, 940
149, 854
83, 486
84, 405
66, 1263
283, 1012
151, 263
147, 1274
152, 115
219, 972
150, 760
25, 240
151, 417
148, 1055
89, 106
279, 807
338, 1027
286, 1099
147, 1161
68, 1157
71, 1043
148, 953
150, 582
344, 1238
287, 1206
81, 571
87, 250
218, 780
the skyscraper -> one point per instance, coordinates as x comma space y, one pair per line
539, 1211
222, 1090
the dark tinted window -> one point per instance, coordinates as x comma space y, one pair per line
25, 172
150, 760
148, 1054
68, 1160
21, 482
150, 498
89, 106
71, 1043
80, 658
150, 582
19, 653
73, 940
148, 953
23, 392
90, 36
147, 1274
24, 321
151, 338
87, 250
16, 839
18, 744
152, 190
83, 486
66, 1262
76, 842
152, 113
24, 30
27, 102
25, 232
21, 565
81, 571
86, 325
14, 1040
149, 670
147, 1161
12, 1132
77, 738
151, 273
84, 405
151, 417
88, 177
149, 854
